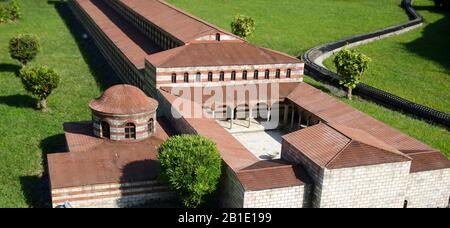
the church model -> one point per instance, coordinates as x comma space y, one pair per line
284, 143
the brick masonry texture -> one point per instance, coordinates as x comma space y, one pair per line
291, 197
429, 189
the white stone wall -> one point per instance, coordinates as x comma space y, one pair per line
430, 189
290, 197
376, 186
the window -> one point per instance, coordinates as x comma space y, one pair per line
105, 130
174, 78
267, 74
244, 75
198, 78
222, 76
218, 36
405, 204
277, 74
130, 131
210, 76
233, 75
186, 77
288, 73
150, 126
256, 75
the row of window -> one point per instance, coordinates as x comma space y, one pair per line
198, 77
130, 129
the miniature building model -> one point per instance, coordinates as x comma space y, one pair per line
284, 143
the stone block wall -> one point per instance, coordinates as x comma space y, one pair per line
429, 189
112, 195
376, 186
290, 197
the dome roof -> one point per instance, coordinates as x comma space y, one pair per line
123, 100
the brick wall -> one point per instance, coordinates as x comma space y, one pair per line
290, 197
429, 189
365, 187
112, 195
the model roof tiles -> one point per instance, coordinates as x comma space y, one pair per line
333, 146
176, 22
223, 53
124, 100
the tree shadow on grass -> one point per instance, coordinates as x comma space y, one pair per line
98, 66
19, 101
6, 67
434, 43
37, 188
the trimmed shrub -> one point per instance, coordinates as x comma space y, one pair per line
350, 66
191, 165
24, 48
9, 11
243, 26
40, 81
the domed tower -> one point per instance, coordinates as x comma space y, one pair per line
124, 113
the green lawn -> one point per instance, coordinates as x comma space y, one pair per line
415, 65
294, 26
27, 135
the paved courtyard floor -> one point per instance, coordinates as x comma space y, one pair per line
264, 144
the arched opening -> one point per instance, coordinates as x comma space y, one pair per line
256, 75
242, 112
210, 76
198, 77
261, 111
405, 204
186, 77
130, 131
222, 76
106, 132
288, 73
233, 75
218, 37
244, 75
267, 74
174, 78
151, 126
278, 74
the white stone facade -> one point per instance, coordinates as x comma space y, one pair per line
290, 197
429, 189
376, 186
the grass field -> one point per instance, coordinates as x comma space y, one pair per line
295, 26
28, 135
415, 65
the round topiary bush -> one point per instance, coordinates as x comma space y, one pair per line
24, 48
9, 11
242, 26
40, 81
191, 165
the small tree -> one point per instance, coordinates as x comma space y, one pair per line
9, 11
191, 165
242, 26
40, 81
351, 66
24, 48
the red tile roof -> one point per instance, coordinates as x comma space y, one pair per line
132, 43
330, 110
174, 21
272, 174
124, 100
335, 146
219, 54
94, 161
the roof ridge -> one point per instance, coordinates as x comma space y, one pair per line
266, 168
340, 152
197, 19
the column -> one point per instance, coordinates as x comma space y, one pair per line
249, 116
300, 119
231, 119
269, 109
286, 110
292, 118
